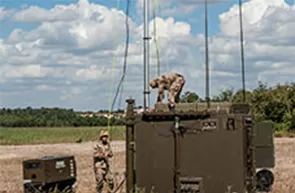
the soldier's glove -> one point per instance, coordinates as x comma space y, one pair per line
110, 154
101, 155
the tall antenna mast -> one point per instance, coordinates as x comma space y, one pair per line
242, 51
146, 39
207, 55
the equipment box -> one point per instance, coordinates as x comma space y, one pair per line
49, 172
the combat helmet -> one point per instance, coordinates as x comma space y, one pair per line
103, 134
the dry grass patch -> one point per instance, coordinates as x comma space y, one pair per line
11, 169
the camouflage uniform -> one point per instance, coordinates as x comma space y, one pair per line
101, 164
173, 82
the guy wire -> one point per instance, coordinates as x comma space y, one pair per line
112, 82
155, 37
125, 55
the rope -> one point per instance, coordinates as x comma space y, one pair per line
119, 186
155, 38
34, 188
112, 83
125, 57
120, 97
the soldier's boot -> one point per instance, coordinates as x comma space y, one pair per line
99, 187
110, 185
177, 97
171, 103
172, 108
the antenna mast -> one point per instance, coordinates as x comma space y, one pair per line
207, 55
242, 51
146, 39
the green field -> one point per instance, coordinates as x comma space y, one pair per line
43, 135
284, 134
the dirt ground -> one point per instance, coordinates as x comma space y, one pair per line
11, 159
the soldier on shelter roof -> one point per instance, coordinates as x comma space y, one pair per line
173, 83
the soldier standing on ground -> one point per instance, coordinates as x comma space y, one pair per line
173, 82
101, 155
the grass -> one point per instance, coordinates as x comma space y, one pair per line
43, 135
49, 135
284, 133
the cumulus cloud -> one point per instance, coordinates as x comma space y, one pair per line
29, 71
268, 41
94, 72
73, 46
80, 26
44, 87
71, 59
272, 16
4, 13
83, 10
175, 7
36, 14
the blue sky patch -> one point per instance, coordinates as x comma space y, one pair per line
195, 19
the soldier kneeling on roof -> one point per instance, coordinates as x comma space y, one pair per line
173, 82
102, 153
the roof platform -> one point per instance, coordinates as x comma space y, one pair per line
218, 107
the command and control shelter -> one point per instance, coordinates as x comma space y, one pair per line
198, 149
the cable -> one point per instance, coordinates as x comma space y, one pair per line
34, 188
125, 56
112, 83
120, 185
155, 38
120, 96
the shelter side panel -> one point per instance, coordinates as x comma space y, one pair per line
264, 151
154, 156
215, 157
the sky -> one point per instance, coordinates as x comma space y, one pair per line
70, 53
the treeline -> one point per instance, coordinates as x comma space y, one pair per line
275, 104
50, 117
